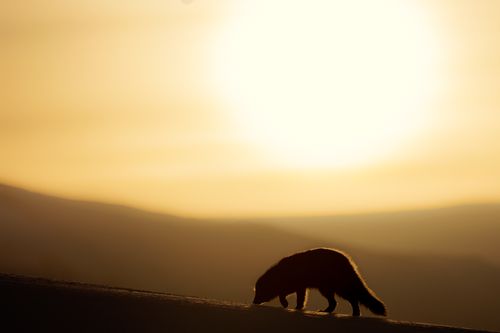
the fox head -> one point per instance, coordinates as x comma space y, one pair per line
264, 291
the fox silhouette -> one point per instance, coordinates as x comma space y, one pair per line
330, 271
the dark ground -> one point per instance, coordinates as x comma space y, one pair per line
39, 305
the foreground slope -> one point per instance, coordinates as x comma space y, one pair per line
50, 306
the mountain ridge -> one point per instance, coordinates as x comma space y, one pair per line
64, 240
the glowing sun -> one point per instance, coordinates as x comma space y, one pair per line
327, 83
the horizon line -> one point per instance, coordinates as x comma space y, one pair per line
258, 216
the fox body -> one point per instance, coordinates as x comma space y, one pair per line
330, 271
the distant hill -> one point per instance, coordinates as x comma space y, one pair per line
114, 245
36, 305
466, 230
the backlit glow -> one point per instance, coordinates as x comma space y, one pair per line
327, 83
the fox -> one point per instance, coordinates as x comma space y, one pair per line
330, 271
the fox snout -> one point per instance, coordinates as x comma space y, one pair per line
257, 301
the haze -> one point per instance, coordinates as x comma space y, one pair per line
164, 105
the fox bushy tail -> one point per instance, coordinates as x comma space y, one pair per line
372, 302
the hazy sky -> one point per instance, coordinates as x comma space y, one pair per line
246, 108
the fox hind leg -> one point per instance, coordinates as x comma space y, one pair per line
330, 296
355, 307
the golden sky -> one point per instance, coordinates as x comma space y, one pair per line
252, 108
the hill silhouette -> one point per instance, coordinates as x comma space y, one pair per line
465, 230
115, 245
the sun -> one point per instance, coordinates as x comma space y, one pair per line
327, 83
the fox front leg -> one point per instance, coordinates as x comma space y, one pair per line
283, 301
301, 299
